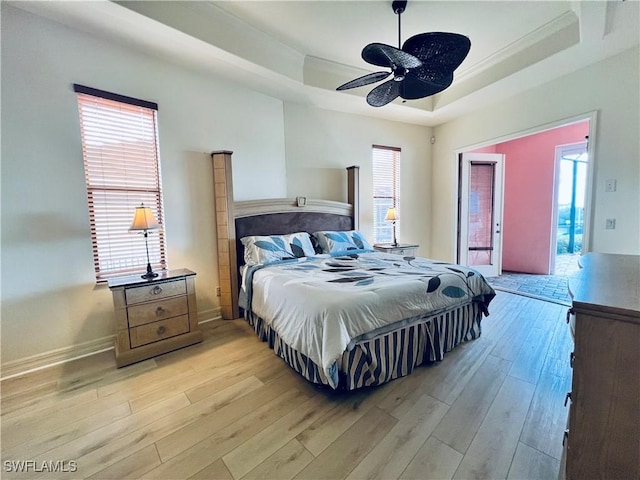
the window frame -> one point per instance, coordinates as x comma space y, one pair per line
385, 174
121, 157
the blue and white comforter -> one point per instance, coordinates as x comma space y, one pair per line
320, 306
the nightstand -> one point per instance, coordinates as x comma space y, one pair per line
154, 316
406, 249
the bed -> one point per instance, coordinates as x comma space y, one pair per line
336, 311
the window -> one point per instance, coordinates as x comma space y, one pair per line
386, 191
122, 171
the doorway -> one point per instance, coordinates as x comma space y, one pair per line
480, 212
570, 191
530, 229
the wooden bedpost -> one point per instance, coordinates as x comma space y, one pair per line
226, 233
353, 193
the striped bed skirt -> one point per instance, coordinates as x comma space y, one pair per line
385, 357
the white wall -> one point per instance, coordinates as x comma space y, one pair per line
50, 301
321, 144
612, 88
49, 297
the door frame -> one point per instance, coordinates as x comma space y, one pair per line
498, 159
560, 149
592, 117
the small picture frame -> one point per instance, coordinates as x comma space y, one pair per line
301, 201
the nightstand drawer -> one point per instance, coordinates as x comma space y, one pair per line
155, 311
152, 332
406, 249
156, 291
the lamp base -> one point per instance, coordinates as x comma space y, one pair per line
150, 273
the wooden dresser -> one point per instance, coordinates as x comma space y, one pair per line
154, 316
603, 439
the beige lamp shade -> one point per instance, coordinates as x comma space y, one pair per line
143, 219
392, 215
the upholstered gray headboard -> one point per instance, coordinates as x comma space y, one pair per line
282, 216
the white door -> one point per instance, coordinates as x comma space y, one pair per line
480, 212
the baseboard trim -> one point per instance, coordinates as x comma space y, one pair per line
44, 360
55, 357
209, 315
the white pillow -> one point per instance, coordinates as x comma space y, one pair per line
263, 249
339, 243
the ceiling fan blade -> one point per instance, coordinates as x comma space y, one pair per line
435, 76
385, 55
414, 87
440, 50
364, 80
384, 93
441, 53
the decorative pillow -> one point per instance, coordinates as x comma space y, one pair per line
316, 246
333, 242
262, 249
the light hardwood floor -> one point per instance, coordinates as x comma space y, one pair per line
230, 409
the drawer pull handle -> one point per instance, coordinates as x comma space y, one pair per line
572, 359
161, 330
567, 398
159, 311
569, 313
157, 290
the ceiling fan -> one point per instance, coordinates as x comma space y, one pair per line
422, 67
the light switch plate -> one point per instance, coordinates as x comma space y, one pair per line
610, 224
610, 186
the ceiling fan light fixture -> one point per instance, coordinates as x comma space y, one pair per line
423, 66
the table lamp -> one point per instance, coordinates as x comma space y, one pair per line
392, 216
143, 221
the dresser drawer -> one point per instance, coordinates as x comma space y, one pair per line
153, 332
152, 312
155, 292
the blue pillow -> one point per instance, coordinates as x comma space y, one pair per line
263, 249
335, 242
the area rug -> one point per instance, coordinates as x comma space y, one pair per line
552, 288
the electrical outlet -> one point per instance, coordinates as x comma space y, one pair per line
218, 291
610, 224
610, 186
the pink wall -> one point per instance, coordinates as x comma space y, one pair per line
489, 149
528, 197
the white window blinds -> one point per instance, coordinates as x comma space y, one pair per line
386, 191
122, 171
